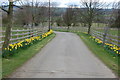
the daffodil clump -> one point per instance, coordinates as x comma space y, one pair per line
47, 33
110, 47
14, 48
85, 32
98, 41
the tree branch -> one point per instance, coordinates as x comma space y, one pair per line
18, 6
4, 10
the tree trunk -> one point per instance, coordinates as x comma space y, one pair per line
89, 28
8, 28
68, 28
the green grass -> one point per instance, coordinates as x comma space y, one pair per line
61, 30
0, 66
14, 28
99, 25
106, 57
111, 31
11, 64
99, 28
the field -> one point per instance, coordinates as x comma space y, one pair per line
98, 27
110, 31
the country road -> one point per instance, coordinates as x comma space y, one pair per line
66, 56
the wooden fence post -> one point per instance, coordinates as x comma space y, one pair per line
11, 36
17, 34
105, 34
23, 33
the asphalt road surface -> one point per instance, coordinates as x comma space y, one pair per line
66, 56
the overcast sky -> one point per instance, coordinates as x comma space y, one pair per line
63, 3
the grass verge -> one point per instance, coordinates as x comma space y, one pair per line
102, 54
11, 64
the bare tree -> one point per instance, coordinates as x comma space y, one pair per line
52, 12
68, 17
33, 13
75, 12
43, 13
9, 26
91, 8
115, 16
24, 16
